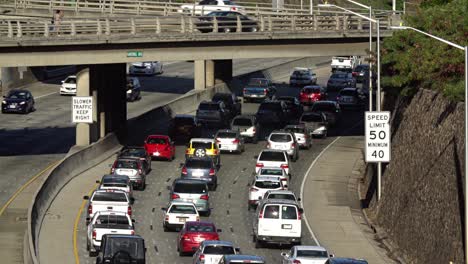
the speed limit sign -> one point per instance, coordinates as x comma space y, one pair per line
377, 136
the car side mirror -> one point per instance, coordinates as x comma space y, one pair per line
88, 220
146, 250
237, 249
164, 209
332, 255
298, 199
301, 210
86, 197
133, 221
98, 181
219, 230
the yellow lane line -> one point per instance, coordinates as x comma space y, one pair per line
75, 227
12, 198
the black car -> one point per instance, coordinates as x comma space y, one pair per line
273, 112
184, 127
361, 72
340, 80
136, 152
294, 107
233, 104
351, 98
122, 249
227, 22
213, 113
330, 108
18, 101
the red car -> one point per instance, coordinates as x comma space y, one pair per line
311, 94
160, 146
193, 233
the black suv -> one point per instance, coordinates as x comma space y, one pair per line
272, 112
233, 104
213, 113
184, 127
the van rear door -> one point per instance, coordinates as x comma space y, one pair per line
290, 221
269, 222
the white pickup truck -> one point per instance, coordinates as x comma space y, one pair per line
114, 223
108, 201
205, 7
344, 63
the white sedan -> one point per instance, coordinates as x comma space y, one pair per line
306, 255
68, 86
146, 68
177, 213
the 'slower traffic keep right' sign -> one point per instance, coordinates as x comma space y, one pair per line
377, 136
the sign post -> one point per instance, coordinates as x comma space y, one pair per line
82, 109
378, 141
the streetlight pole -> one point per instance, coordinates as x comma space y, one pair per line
466, 122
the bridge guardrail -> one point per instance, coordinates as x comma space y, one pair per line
170, 25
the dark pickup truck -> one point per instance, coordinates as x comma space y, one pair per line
122, 249
213, 113
258, 89
230, 100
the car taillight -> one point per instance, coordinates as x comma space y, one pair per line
268, 145
259, 165
186, 238
139, 168
202, 257
354, 74
296, 261
198, 218
204, 197
129, 210
215, 152
132, 232
253, 189
233, 9
166, 218
245, 90
265, 91
284, 166
212, 172
175, 196
90, 209
236, 141
184, 170
254, 130
299, 216
293, 145
187, 151
260, 215
306, 136
218, 141
94, 234
112, 170
338, 98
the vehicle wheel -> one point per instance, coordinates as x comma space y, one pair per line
181, 253
88, 246
165, 228
258, 243
161, 70
92, 254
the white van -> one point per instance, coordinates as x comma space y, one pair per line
277, 221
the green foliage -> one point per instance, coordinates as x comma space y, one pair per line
411, 60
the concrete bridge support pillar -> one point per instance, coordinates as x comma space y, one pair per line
199, 75
107, 84
208, 73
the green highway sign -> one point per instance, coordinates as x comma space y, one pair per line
135, 54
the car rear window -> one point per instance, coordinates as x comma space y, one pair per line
218, 250
272, 156
270, 106
280, 138
109, 197
277, 172
323, 107
136, 152
134, 247
115, 185
312, 253
281, 196
190, 188
338, 76
267, 184
115, 180
200, 228
258, 82
295, 129
226, 135
242, 122
182, 209
198, 164
289, 212
311, 90
208, 107
202, 145
271, 211
126, 164
159, 141
112, 220
301, 72
348, 92
311, 118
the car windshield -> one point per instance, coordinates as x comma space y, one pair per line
133, 246
200, 228
135, 152
277, 172
226, 135
298, 130
112, 220
348, 92
289, 212
202, 145
70, 80
311, 118
281, 196
190, 188
17, 95
109, 197
242, 122
198, 164
218, 250
126, 164
157, 141
270, 107
311, 90
338, 76
267, 184
323, 107
182, 209
280, 138
301, 72
272, 156
183, 121
208, 107
258, 82
312, 253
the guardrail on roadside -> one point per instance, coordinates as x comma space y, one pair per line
192, 27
